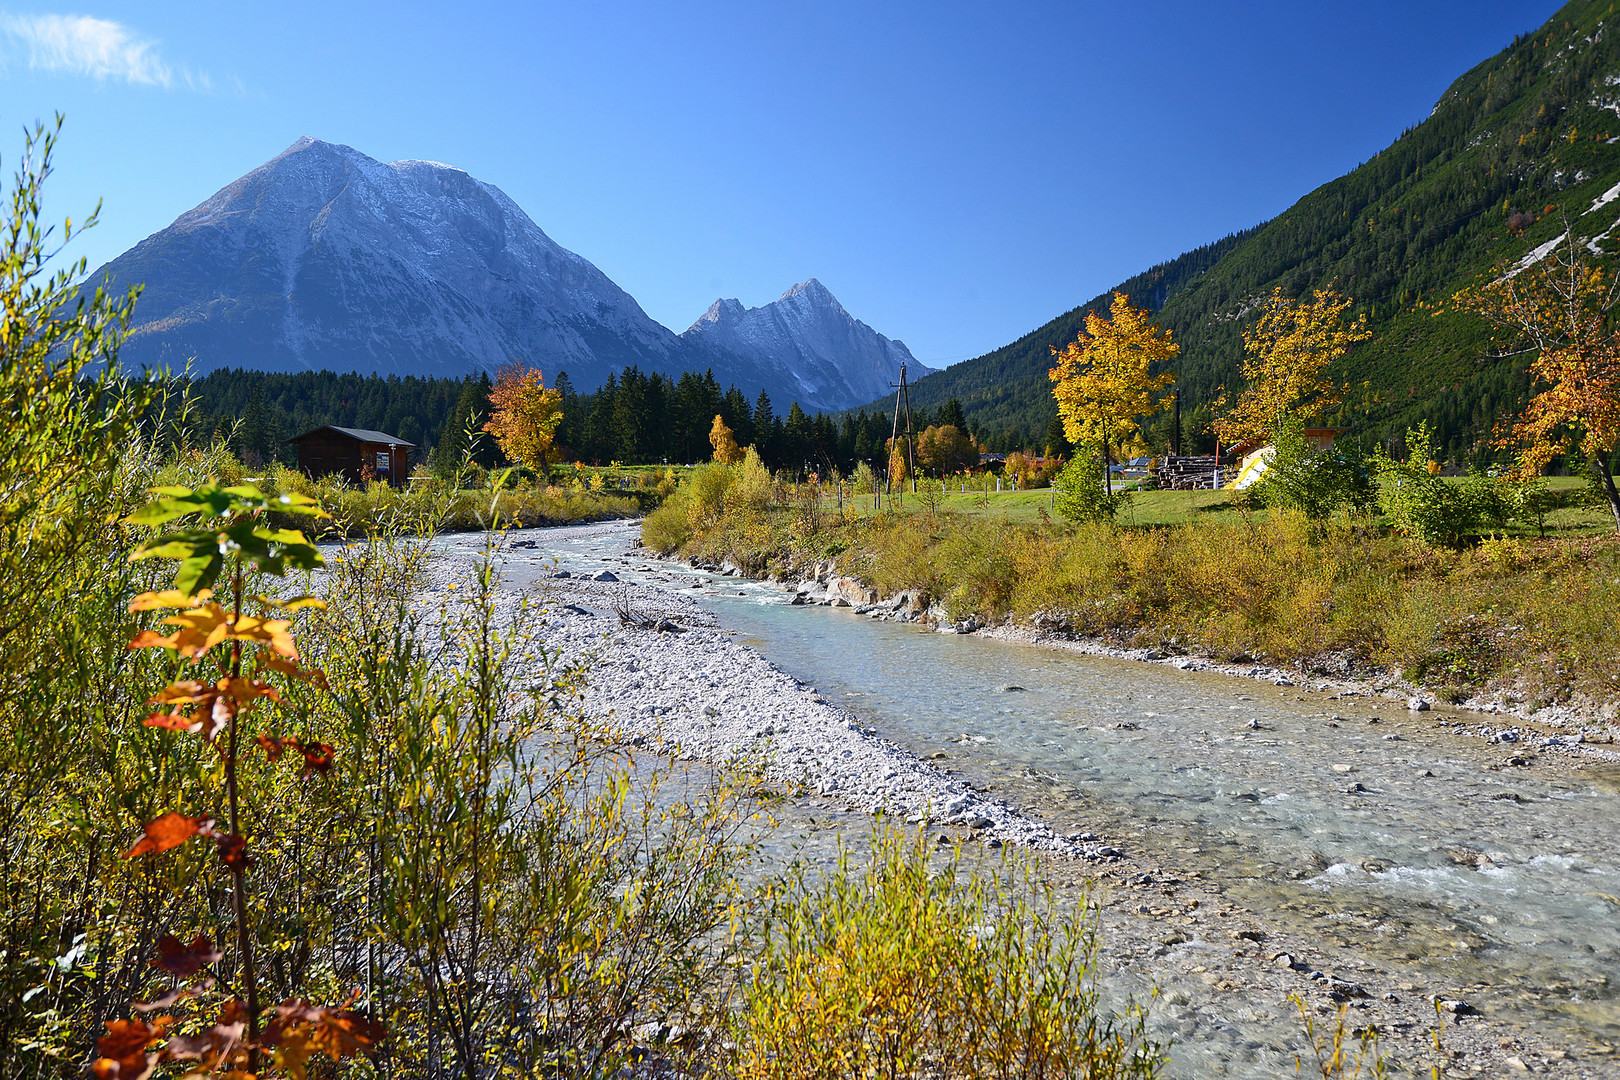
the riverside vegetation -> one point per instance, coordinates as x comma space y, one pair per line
367, 831
1522, 616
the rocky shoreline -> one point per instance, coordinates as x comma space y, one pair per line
1591, 733
666, 673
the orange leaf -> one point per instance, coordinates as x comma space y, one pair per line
168, 598
289, 668
201, 628
123, 1049
183, 692
178, 958
151, 639
248, 690
173, 721
169, 831
271, 632
338, 1033
273, 748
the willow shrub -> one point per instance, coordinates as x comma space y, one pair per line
904, 969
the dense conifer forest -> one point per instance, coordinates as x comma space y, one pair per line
636, 418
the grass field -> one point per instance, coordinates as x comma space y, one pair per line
1150, 508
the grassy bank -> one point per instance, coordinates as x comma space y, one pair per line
361, 510
1520, 615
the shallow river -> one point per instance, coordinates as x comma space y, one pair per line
1369, 827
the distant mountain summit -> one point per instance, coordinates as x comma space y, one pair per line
326, 258
834, 357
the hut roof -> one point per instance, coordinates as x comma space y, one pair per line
364, 435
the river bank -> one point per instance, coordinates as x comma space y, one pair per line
1226, 953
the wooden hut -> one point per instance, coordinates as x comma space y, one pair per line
358, 454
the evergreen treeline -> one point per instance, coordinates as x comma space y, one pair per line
636, 418
264, 409
1514, 146
648, 418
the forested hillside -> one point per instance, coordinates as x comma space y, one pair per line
1523, 141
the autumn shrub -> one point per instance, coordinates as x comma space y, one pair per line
908, 968
667, 528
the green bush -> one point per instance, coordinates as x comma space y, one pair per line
1428, 507
1082, 491
1314, 482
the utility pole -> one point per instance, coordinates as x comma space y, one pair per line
1175, 441
902, 395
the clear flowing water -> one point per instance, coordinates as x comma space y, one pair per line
1369, 827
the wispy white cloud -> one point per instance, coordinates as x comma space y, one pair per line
86, 46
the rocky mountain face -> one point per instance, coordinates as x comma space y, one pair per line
324, 258
834, 358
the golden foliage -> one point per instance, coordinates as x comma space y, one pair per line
524, 416
724, 441
1560, 308
1288, 353
1103, 381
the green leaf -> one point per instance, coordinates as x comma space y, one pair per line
179, 545
247, 539
287, 537
198, 572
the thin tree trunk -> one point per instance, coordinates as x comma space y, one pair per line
1602, 467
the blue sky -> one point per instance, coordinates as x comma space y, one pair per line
956, 173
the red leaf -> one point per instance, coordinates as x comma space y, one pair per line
178, 994
169, 831
273, 748
317, 757
233, 851
184, 960
170, 721
123, 1050
216, 1046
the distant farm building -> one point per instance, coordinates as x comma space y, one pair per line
1255, 459
357, 454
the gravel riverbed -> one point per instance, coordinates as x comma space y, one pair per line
1225, 969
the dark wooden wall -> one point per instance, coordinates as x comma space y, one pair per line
321, 453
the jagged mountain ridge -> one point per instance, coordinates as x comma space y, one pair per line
324, 258
833, 355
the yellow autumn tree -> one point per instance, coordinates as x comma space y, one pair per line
1560, 308
1103, 380
726, 450
1286, 357
523, 417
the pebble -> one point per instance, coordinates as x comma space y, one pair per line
1417, 704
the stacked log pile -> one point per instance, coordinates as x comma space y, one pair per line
1200, 472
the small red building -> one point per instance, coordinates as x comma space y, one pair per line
358, 454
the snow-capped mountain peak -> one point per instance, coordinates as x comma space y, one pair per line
323, 257
834, 358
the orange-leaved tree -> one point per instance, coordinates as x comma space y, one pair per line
1560, 308
523, 417
1287, 353
231, 647
724, 441
1103, 380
